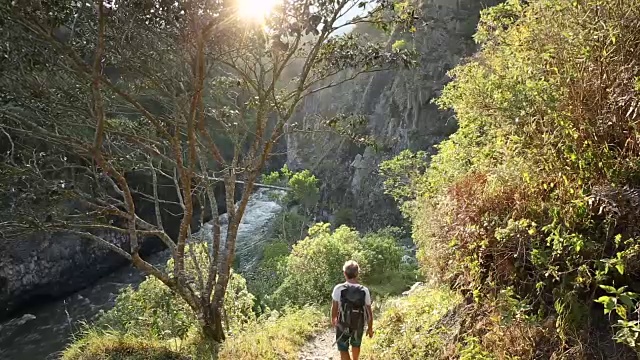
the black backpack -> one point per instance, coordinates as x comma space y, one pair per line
352, 313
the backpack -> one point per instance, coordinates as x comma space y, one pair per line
352, 313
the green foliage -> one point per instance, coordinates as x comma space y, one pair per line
154, 312
534, 192
109, 346
314, 266
410, 327
620, 301
151, 311
269, 274
303, 185
276, 337
271, 179
403, 175
472, 350
288, 228
399, 44
278, 178
382, 252
393, 282
274, 252
304, 188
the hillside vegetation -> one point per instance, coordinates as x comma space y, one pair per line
295, 285
531, 207
526, 220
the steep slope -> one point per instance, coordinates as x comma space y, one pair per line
399, 112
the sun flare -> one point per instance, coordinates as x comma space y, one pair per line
256, 10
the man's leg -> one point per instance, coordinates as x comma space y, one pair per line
356, 341
343, 345
355, 351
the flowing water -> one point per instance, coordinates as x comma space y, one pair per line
40, 333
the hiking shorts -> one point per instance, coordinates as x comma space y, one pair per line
344, 339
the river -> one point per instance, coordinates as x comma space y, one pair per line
41, 332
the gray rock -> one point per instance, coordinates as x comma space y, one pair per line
45, 266
399, 109
413, 289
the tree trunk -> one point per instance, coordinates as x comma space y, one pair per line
211, 324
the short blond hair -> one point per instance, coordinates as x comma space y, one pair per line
351, 269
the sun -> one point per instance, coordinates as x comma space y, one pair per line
256, 10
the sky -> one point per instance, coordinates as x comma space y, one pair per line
348, 16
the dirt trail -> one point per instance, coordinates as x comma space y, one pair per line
321, 347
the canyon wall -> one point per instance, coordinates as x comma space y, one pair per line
399, 112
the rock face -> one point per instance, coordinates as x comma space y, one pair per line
45, 266
41, 267
400, 114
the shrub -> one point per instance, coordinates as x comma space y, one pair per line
278, 178
289, 227
153, 311
314, 266
304, 189
269, 273
535, 191
410, 328
275, 338
382, 253
303, 186
403, 175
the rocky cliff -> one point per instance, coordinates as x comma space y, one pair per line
42, 266
399, 112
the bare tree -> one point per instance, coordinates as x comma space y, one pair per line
190, 93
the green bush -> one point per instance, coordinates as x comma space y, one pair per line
151, 311
382, 252
278, 178
409, 328
269, 274
303, 186
304, 189
314, 266
289, 227
155, 312
536, 190
403, 176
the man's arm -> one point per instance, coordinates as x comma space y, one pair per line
369, 310
370, 322
334, 313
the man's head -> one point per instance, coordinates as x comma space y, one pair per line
351, 270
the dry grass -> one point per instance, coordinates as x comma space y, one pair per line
108, 346
279, 339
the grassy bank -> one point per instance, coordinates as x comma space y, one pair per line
278, 337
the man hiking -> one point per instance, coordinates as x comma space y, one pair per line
350, 310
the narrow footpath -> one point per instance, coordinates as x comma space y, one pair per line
321, 347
